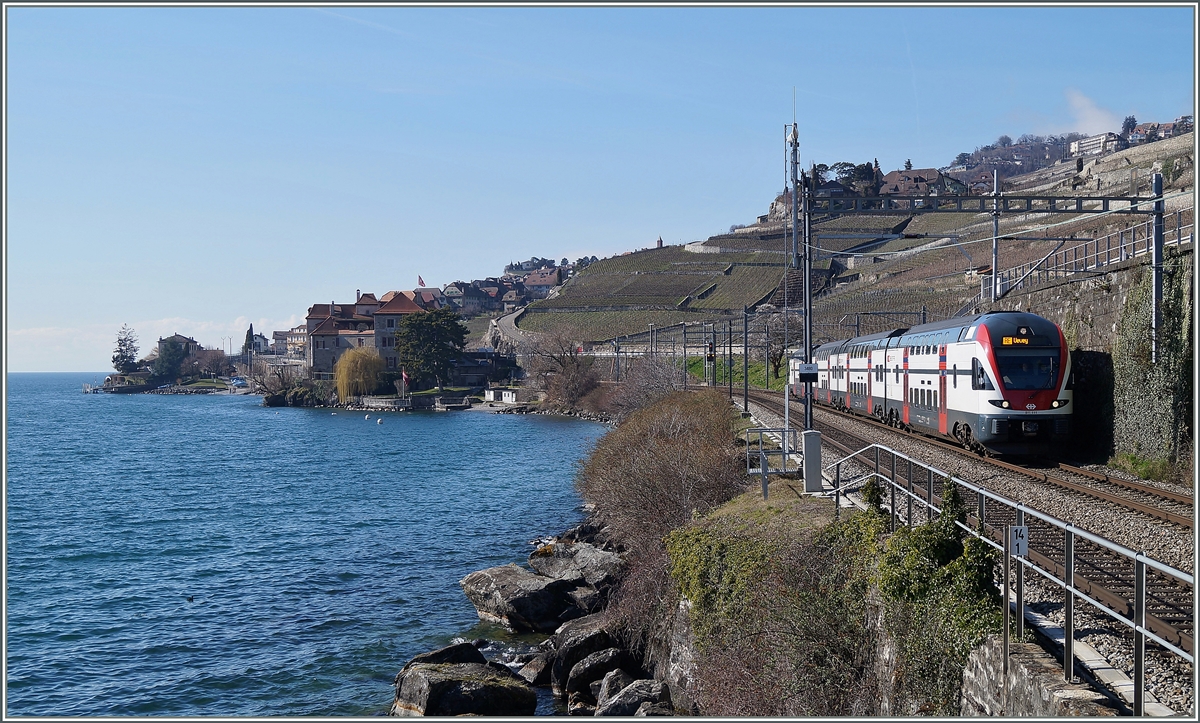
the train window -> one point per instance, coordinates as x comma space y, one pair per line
935, 400
955, 376
979, 377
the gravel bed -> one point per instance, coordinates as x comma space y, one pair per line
1146, 498
1122, 474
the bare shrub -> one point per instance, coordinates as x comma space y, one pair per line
665, 463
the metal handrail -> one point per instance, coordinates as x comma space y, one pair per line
1140, 560
1079, 258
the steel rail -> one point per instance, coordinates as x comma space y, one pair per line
1156, 512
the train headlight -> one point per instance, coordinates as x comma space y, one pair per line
1059, 403
1002, 403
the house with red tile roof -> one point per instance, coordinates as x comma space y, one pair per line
429, 299
539, 283
387, 318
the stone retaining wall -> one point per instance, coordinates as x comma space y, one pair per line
1124, 402
1033, 688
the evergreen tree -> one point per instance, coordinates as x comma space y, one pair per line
427, 344
249, 343
170, 357
1128, 125
124, 357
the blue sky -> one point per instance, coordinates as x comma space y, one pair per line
198, 169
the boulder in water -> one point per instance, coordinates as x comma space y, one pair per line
518, 599
453, 689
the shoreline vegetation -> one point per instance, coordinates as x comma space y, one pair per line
685, 593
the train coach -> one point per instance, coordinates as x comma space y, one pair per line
997, 382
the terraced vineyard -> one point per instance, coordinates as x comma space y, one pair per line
591, 326
664, 286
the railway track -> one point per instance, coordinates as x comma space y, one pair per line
1103, 575
1167, 505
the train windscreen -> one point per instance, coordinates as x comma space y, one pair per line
1028, 369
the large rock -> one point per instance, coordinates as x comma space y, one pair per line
677, 668
451, 689
593, 668
631, 697
577, 562
519, 599
537, 671
457, 653
612, 683
573, 642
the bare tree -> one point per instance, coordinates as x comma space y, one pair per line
561, 367
212, 361
274, 378
644, 382
768, 329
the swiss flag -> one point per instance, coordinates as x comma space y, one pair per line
404, 375
420, 281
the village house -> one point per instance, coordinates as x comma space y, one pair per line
833, 189
297, 340
333, 328
429, 299
189, 345
260, 344
466, 298
539, 283
1142, 132
920, 182
387, 318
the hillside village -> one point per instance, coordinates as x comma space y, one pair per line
860, 268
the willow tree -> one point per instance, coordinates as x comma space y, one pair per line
357, 372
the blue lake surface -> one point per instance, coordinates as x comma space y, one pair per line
320, 551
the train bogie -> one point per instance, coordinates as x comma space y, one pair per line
996, 382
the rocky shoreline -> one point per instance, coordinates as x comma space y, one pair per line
558, 412
562, 594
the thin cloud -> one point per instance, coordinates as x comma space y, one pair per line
1088, 117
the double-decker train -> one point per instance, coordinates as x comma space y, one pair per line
996, 382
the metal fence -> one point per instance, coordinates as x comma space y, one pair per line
985, 499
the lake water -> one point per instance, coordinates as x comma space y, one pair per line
203, 555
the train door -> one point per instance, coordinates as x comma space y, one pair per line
941, 404
870, 373
904, 414
829, 380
